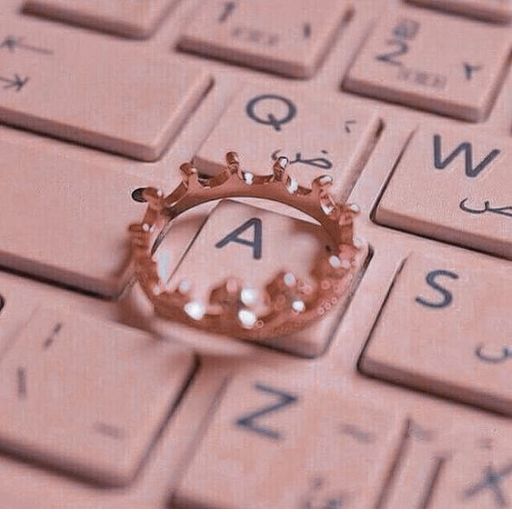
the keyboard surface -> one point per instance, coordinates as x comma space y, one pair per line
400, 397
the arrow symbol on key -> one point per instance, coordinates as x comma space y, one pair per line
16, 82
10, 43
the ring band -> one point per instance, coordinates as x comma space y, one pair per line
290, 303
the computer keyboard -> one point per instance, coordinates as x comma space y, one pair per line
398, 398
401, 62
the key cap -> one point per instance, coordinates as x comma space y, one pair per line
21, 296
267, 437
87, 396
425, 474
273, 35
95, 92
401, 62
490, 10
422, 458
66, 220
446, 329
477, 478
239, 241
130, 18
453, 185
318, 137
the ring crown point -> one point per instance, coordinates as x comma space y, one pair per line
334, 261
283, 161
358, 243
323, 181
184, 287
292, 186
232, 158
195, 310
135, 228
247, 318
187, 170
298, 306
249, 296
327, 208
232, 286
289, 280
160, 289
248, 177
345, 264
354, 208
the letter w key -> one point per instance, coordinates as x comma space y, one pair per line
453, 184
280, 399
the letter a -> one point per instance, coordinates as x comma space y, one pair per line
255, 242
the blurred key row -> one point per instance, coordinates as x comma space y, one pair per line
120, 17
83, 395
92, 90
130, 18
329, 451
325, 447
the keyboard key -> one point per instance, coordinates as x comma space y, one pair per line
99, 93
21, 296
87, 396
74, 218
401, 62
453, 184
490, 10
452, 467
130, 18
266, 447
286, 38
422, 458
475, 478
318, 137
241, 241
445, 329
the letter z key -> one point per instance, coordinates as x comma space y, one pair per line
274, 443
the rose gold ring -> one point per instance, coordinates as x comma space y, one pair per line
290, 304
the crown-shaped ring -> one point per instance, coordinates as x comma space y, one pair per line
289, 302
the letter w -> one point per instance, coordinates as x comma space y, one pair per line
467, 149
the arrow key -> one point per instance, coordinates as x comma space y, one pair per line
15, 82
104, 94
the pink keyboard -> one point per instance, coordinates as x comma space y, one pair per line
400, 397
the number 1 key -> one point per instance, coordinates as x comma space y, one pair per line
288, 38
